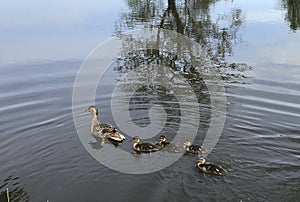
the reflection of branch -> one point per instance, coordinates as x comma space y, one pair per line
172, 8
158, 56
161, 24
293, 13
191, 18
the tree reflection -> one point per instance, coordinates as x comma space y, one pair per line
156, 72
191, 18
293, 13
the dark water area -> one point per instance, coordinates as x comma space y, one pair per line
254, 45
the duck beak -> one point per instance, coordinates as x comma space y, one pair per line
131, 140
86, 110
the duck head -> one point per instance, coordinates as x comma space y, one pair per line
162, 138
136, 139
92, 109
187, 143
201, 160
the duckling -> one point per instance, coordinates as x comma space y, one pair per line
113, 134
194, 149
144, 147
210, 168
168, 146
162, 141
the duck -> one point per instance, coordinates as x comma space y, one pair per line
144, 147
194, 149
168, 146
210, 168
103, 130
162, 141
112, 134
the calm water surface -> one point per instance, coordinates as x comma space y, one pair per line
256, 47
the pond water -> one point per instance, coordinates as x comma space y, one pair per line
255, 47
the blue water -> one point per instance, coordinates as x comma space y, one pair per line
42, 48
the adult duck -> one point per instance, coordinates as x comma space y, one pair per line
103, 130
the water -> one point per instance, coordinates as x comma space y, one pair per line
256, 46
